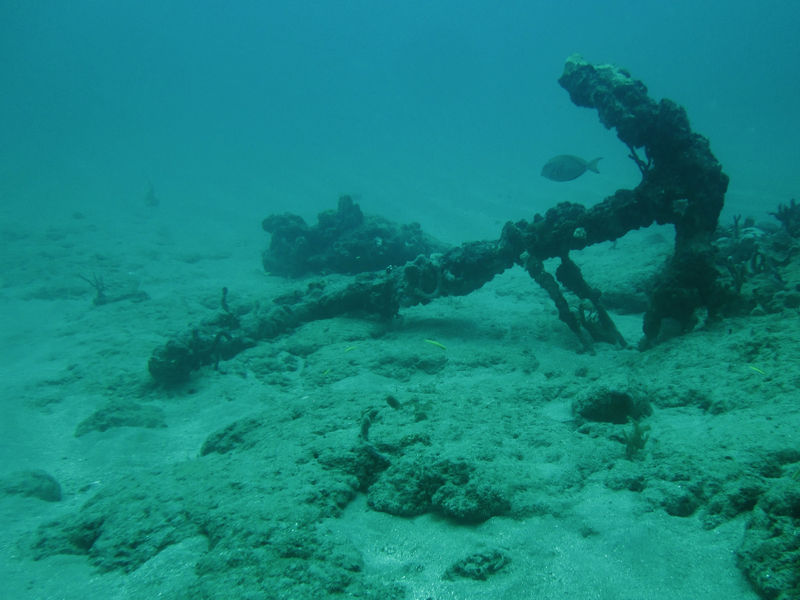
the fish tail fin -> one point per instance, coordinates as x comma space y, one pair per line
592, 164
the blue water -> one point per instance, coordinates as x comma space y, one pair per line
441, 112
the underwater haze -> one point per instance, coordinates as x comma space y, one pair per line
195, 409
442, 112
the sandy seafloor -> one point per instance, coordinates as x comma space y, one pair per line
276, 516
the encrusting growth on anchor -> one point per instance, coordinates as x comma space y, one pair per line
682, 184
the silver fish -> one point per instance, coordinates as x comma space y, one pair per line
566, 167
